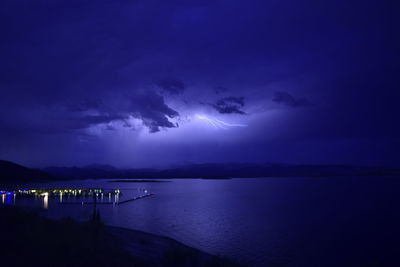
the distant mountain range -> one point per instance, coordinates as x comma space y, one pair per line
13, 172
218, 171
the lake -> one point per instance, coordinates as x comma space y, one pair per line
260, 221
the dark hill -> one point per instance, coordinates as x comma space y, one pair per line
10, 172
220, 171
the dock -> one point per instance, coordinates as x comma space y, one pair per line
133, 199
106, 203
86, 203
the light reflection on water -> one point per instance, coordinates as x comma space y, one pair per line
53, 196
46, 201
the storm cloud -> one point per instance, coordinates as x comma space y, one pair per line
74, 69
171, 85
287, 99
152, 109
229, 105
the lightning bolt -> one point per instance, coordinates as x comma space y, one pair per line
218, 124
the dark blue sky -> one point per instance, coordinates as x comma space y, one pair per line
159, 83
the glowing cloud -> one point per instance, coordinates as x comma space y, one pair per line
218, 124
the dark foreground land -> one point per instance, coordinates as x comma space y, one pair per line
28, 239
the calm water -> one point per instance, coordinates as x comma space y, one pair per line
261, 222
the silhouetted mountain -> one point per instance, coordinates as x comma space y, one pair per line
103, 167
10, 172
218, 171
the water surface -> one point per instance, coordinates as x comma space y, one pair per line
265, 221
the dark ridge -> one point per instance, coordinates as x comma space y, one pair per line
222, 171
12, 172
138, 181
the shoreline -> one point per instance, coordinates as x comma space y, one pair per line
153, 247
28, 233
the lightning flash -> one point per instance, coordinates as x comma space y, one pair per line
218, 124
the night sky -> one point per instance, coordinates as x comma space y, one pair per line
156, 83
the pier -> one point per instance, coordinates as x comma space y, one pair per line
133, 199
107, 203
69, 196
80, 192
